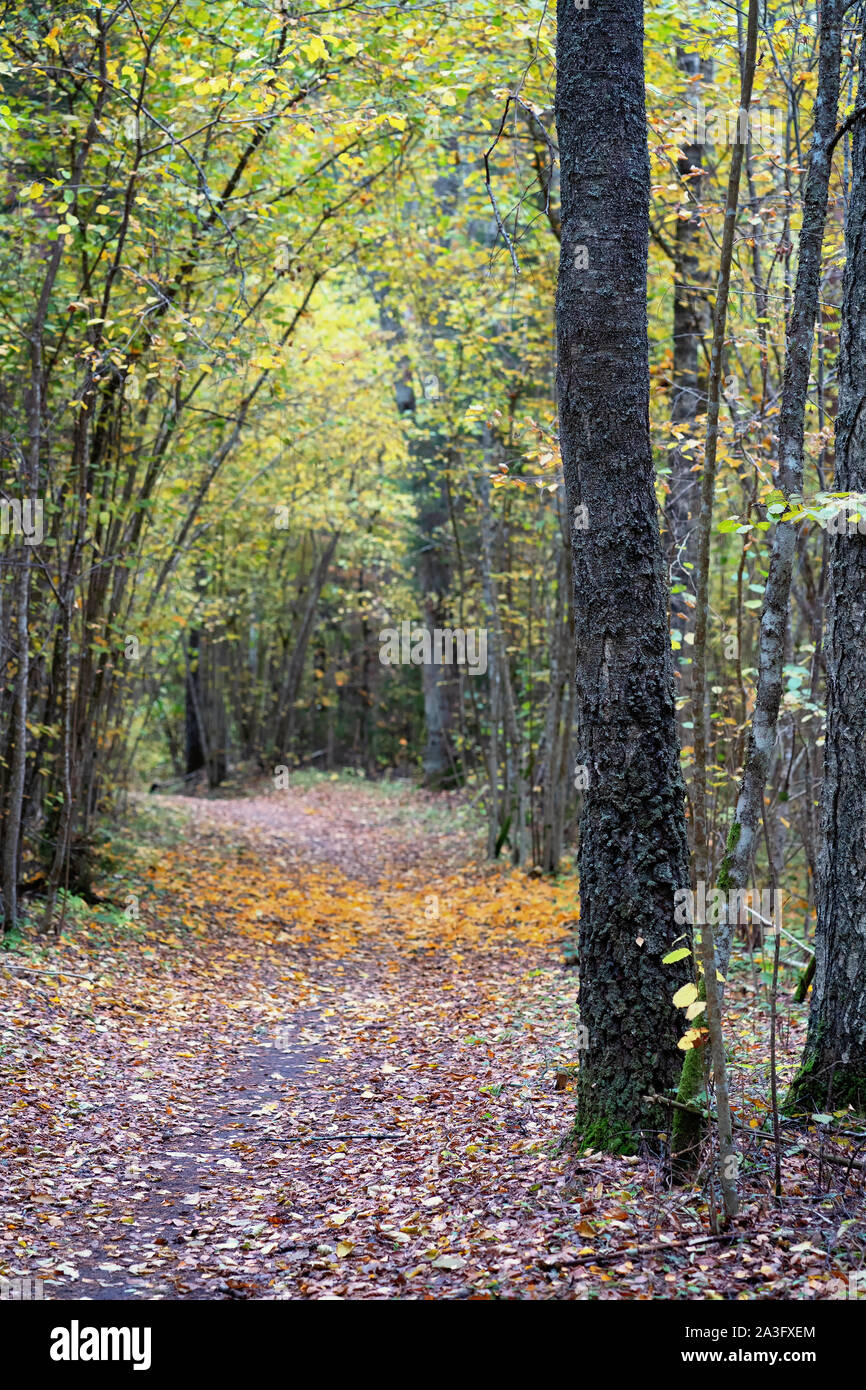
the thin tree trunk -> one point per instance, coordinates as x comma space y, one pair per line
14, 809
196, 733
515, 785
801, 327
292, 679
15, 801
686, 1128
690, 326
703, 851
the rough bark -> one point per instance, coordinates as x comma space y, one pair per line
633, 852
833, 1071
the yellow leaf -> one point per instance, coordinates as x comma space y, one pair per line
685, 996
315, 49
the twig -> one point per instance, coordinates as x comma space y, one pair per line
692, 1242
34, 970
496, 213
845, 127
323, 1138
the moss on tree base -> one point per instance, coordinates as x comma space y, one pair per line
822, 1084
610, 1136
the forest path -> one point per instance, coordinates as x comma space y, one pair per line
305, 964
319, 1062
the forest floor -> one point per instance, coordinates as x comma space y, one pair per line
317, 1057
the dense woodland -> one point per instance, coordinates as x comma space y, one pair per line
448, 416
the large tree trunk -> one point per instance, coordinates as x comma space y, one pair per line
633, 851
833, 1073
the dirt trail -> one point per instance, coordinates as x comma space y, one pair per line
320, 1062
299, 971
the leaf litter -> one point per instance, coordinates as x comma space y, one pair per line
334, 1056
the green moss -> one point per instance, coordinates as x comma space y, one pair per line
799, 1097
688, 1127
611, 1136
849, 1088
723, 880
809, 1092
